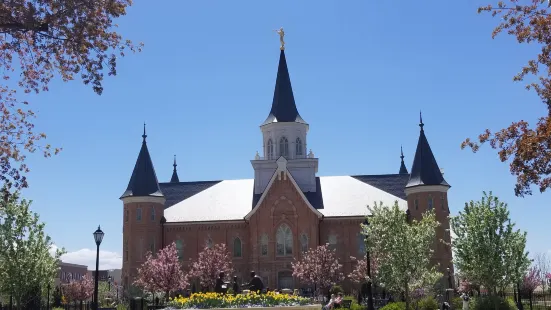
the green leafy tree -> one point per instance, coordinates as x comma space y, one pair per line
403, 249
26, 264
488, 250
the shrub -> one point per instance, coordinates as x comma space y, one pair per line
354, 305
457, 303
428, 303
336, 289
397, 306
490, 302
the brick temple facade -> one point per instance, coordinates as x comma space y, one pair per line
270, 220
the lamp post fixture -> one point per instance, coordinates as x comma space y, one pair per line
369, 291
98, 237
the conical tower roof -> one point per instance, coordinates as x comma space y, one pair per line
174, 178
425, 170
144, 181
403, 169
284, 108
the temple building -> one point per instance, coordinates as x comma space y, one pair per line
273, 218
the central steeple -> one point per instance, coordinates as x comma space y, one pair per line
284, 109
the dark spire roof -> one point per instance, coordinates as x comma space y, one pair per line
403, 169
174, 178
284, 108
425, 170
144, 180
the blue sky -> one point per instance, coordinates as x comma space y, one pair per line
361, 71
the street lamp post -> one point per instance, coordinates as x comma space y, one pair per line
98, 237
369, 291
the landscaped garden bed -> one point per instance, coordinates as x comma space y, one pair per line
250, 300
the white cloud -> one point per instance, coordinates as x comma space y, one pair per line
87, 257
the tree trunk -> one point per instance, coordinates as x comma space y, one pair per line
406, 295
167, 293
530, 296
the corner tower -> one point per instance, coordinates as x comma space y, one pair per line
427, 190
284, 133
143, 204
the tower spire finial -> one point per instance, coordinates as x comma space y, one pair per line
401, 153
403, 169
281, 40
421, 120
174, 178
144, 134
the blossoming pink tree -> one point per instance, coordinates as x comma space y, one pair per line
79, 291
359, 274
531, 281
464, 286
162, 273
319, 267
209, 264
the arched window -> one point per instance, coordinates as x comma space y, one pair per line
126, 215
303, 243
298, 146
139, 214
332, 240
284, 240
270, 149
180, 249
416, 203
152, 213
264, 245
430, 203
361, 243
209, 243
283, 147
237, 247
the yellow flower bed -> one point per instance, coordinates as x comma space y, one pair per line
252, 299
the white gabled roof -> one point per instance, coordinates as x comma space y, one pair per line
347, 196
232, 200
227, 200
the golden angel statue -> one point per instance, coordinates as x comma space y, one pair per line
281, 35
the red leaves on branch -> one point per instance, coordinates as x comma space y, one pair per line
38, 41
162, 273
81, 290
528, 148
209, 264
319, 267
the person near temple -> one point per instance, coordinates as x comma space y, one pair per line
221, 286
256, 284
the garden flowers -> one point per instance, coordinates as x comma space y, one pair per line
215, 300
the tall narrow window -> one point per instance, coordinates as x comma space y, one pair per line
139, 214
270, 149
303, 243
152, 214
126, 250
430, 203
126, 215
180, 249
209, 243
442, 202
141, 249
237, 247
283, 147
284, 240
298, 146
361, 243
416, 203
264, 245
332, 240
152, 244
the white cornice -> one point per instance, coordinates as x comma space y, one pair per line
426, 188
152, 199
